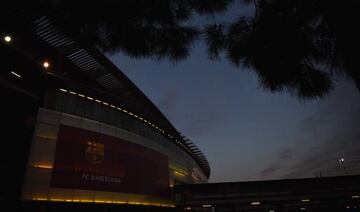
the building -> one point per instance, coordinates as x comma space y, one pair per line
341, 193
79, 133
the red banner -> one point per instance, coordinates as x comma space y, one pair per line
93, 161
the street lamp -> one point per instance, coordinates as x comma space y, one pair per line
342, 162
46, 64
7, 38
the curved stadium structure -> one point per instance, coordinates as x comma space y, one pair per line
81, 132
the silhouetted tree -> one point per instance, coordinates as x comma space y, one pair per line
299, 46
140, 28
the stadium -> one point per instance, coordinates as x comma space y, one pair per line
81, 133
77, 134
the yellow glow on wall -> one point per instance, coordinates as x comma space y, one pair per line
179, 173
104, 202
42, 166
86, 200
58, 200
40, 199
119, 202
177, 169
45, 136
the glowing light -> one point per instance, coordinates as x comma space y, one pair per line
305, 200
7, 38
100, 201
355, 196
72, 92
40, 199
63, 90
42, 166
58, 200
119, 202
46, 64
16, 74
103, 201
98, 101
105, 103
113, 106
206, 206
46, 137
255, 203
302, 209
81, 95
179, 173
90, 98
134, 203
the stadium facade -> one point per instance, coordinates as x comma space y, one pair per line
81, 131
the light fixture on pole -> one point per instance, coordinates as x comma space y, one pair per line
7, 38
342, 163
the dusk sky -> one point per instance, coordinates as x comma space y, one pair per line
246, 132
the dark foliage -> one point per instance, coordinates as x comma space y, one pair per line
300, 46
140, 28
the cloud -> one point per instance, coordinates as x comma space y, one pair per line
323, 157
283, 156
286, 154
270, 170
328, 134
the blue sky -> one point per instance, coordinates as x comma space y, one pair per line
246, 132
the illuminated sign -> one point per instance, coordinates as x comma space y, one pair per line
93, 161
94, 152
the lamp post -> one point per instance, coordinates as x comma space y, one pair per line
342, 163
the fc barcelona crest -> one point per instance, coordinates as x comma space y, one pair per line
94, 152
